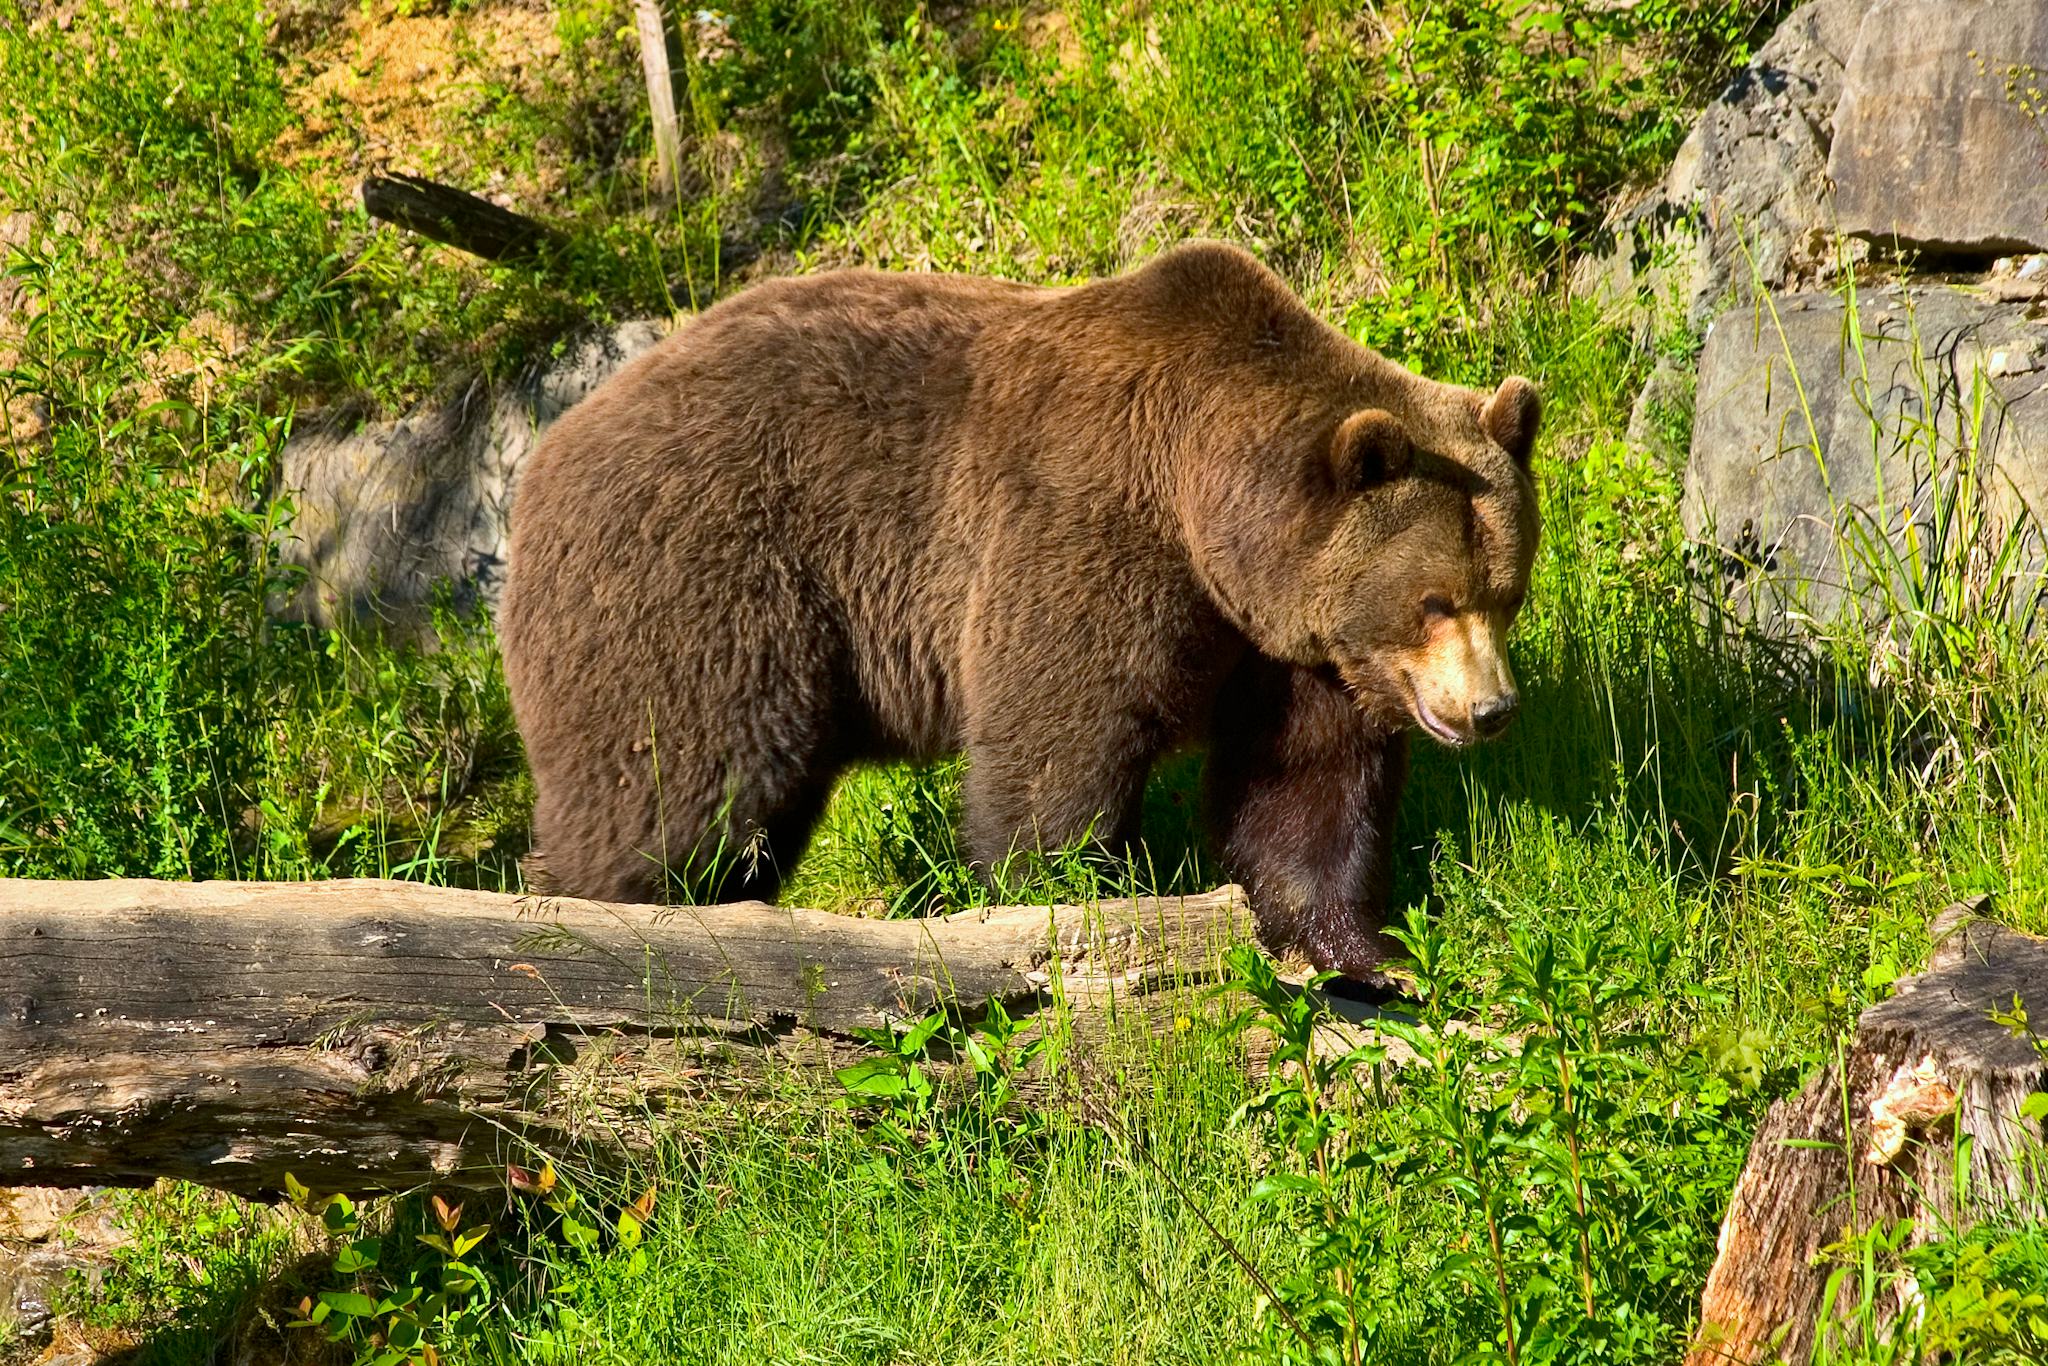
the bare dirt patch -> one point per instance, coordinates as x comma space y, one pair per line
383, 88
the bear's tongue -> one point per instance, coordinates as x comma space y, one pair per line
1435, 725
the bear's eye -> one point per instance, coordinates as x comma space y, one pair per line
1436, 606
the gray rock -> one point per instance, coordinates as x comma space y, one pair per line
1663, 412
1811, 459
1746, 196
1934, 146
47, 1237
33, 1214
387, 513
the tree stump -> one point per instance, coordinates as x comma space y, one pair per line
370, 1035
1927, 1069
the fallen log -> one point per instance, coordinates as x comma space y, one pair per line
455, 218
1930, 1079
372, 1035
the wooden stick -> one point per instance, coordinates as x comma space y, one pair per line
372, 1035
659, 58
1927, 1069
455, 218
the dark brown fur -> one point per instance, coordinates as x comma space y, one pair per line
860, 516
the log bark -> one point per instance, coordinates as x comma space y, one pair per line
455, 218
371, 1035
1927, 1069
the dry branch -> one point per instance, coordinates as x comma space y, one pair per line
660, 60
1926, 1069
371, 1035
455, 217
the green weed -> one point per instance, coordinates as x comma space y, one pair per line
1576, 1160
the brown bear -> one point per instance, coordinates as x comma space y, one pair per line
862, 516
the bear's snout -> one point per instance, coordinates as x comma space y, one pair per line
1491, 715
1459, 686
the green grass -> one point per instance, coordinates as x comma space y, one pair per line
1756, 838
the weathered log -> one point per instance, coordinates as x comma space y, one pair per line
371, 1035
455, 217
1879, 1138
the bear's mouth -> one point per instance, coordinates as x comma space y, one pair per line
1436, 725
1376, 697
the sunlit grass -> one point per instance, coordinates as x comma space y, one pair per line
1768, 814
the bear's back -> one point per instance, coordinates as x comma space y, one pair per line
786, 459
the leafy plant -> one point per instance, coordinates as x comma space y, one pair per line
1320, 1303
1581, 1155
398, 1310
983, 1123
1524, 115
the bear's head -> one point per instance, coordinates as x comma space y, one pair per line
1389, 539
1427, 560
1342, 512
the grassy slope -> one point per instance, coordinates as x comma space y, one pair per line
184, 238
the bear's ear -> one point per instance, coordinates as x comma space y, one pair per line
1370, 447
1511, 417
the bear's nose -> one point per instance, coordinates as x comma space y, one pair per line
1491, 717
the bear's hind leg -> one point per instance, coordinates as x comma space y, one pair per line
1036, 793
692, 820
1302, 794
756, 849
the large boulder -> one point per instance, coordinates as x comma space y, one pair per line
1868, 458
1746, 197
388, 515
1941, 138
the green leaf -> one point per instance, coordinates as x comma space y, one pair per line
350, 1303
339, 1216
883, 1077
358, 1256
979, 1056
398, 1299
1284, 1183
920, 1034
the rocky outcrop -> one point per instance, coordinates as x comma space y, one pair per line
49, 1239
1871, 452
1941, 137
1746, 198
1889, 455
389, 514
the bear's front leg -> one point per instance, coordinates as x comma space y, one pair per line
1302, 794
